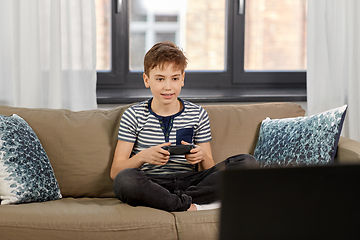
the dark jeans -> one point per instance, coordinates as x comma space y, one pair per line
174, 192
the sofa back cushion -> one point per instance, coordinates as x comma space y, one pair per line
80, 146
235, 128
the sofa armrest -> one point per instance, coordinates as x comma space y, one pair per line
348, 151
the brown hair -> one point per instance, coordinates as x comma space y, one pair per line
163, 53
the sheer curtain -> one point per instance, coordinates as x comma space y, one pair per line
48, 54
333, 75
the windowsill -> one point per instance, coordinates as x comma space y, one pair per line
124, 96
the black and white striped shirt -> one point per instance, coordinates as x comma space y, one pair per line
140, 125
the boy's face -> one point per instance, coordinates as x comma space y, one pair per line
165, 84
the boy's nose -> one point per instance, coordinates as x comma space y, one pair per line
167, 85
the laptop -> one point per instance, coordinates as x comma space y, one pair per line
319, 202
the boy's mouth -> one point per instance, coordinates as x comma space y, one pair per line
167, 95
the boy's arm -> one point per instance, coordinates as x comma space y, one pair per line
208, 161
154, 155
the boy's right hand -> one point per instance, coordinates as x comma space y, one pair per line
156, 155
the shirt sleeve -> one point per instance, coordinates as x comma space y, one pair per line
203, 133
128, 125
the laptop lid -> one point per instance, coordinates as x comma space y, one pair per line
320, 202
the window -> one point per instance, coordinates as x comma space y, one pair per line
275, 35
103, 35
238, 50
149, 24
202, 38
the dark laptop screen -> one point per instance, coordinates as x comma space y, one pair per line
321, 202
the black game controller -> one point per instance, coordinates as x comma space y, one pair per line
179, 149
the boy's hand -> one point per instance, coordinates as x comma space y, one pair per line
196, 155
156, 155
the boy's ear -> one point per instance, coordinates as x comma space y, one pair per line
183, 79
146, 80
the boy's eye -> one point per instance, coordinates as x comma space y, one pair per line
175, 79
159, 79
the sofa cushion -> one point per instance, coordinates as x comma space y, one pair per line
80, 146
85, 218
26, 174
235, 128
300, 141
198, 224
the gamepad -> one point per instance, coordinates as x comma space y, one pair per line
179, 149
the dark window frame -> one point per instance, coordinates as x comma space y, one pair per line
232, 85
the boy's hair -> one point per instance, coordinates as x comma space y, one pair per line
163, 53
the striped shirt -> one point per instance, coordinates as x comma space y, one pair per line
141, 126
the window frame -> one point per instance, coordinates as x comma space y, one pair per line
233, 84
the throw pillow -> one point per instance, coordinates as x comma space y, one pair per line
26, 174
301, 140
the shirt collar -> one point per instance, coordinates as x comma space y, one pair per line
158, 116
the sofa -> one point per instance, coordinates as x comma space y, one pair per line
80, 147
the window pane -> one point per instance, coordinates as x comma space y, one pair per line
164, 18
160, 37
198, 27
275, 34
103, 35
137, 46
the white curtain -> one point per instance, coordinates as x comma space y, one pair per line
333, 72
48, 54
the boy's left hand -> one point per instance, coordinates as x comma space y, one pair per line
196, 155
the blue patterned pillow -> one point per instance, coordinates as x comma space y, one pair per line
26, 174
300, 141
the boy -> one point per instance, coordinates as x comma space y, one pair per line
144, 173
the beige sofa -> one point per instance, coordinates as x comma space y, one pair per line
80, 147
